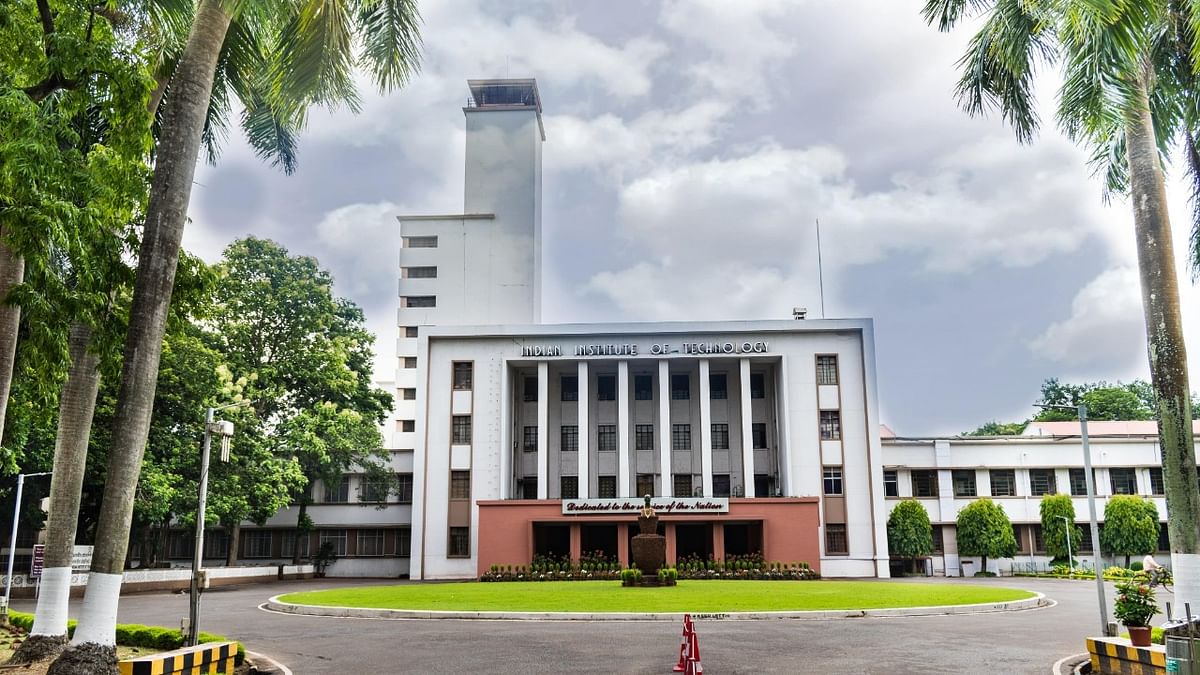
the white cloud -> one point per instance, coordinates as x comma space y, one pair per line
1105, 329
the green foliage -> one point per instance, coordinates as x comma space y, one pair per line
985, 530
137, 635
995, 428
1130, 526
1055, 530
909, 533
1135, 604
1120, 401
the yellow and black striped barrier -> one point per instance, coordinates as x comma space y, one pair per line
211, 657
1116, 655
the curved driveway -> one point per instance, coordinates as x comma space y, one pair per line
1009, 642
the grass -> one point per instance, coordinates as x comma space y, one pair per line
688, 596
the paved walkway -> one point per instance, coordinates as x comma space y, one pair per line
1011, 642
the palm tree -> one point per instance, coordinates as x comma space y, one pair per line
1129, 84
312, 62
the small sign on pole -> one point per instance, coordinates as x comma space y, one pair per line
81, 558
39, 557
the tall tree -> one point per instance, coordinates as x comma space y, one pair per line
1057, 532
983, 529
1130, 526
910, 534
1129, 84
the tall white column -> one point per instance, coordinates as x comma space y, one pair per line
747, 428
705, 430
623, 429
584, 433
506, 444
543, 417
667, 484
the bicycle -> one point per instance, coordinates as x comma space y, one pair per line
1160, 576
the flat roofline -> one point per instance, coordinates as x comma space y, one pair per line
644, 327
449, 216
982, 440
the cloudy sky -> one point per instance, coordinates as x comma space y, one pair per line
690, 148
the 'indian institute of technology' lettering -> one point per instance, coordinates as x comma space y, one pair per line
724, 347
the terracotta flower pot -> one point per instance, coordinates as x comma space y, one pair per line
1139, 635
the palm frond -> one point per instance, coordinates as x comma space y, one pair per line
390, 35
1193, 163
314, 62
947, 13
271, 133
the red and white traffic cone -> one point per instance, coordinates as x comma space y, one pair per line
693, 660
688, 630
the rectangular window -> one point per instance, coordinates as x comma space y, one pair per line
1123, 480
827, 370
1042, 482
404, 488
643, 435
643, 387
460, 485
408, 426
426, 272
216, 544
718, 388
1004, 482
606, 437
337, 537
460, 429
720, 436
939, 539
831, 425
256, 544
924, 483
370, 543
529, 439
403, 542
570, 388
762, 485
891, 483
409, 393
682, 486
720, 485
568, 487
645, 484
528, 487
569, 438
607, 487
964, 482
1078, 481
418, 301
1157, 486
420, 242
835, 540
832, 479
681, 437
758, 432
463, 375
1039, 541
531, 389
681, 389
290, 541
460, 543
606, 387
409, 362
1085, 542
372, 491
758, 385
339, 492
410, 331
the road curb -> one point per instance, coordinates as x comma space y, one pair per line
267, 665
276, 605
1070, 664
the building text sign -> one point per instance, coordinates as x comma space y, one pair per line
632, 506
655, 349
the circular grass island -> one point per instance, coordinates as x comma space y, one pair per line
696, 596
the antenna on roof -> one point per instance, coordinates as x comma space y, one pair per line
820, 268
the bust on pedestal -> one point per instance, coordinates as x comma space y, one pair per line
649, 547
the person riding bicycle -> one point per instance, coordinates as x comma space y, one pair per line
1150, 565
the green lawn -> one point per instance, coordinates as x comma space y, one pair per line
688, 596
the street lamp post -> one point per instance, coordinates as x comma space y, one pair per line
223, 429
1067, 524
12, 540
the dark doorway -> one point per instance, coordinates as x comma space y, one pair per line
693, 541
743, 538
552, 541
598, 538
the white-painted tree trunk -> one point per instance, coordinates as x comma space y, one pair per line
98, 617
53, 599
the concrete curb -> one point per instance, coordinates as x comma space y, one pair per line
266, 664
276, 605
1070, 664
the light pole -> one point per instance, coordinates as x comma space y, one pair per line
223, 429
1067, 525
12, 540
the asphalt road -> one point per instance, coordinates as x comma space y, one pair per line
1011, 642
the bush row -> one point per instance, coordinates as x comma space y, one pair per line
685, 570
136, 635
1113, 573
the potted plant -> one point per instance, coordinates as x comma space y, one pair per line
1134, 607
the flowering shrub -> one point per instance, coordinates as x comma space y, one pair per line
1135, 604
744, 567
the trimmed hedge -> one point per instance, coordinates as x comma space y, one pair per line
137, 635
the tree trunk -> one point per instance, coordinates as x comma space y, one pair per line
235, 534
166, 215
75, 410
300, 531
983, 566
1168, 356
12, 272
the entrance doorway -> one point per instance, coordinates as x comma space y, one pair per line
743, 538
693, 540
552, 541
595, 539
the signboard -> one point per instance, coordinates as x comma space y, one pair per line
39, 557
656, 348
81, 558
664, 506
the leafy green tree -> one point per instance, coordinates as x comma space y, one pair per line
995, 428
909, 533
983, 529
1130, 526
1055, 530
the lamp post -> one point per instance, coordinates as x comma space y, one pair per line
12, 540
1067, 524
223, 429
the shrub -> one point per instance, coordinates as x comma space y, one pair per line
1130, 526
1055, 532
909, 532
985, 530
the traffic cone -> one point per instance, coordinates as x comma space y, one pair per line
683, 644
693, 660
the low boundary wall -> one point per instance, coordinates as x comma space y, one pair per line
176, 578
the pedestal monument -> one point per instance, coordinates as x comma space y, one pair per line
649, 547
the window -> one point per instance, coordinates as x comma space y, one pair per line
758, 431
720, 436
463, 375
643, 435
606, 387
428, 272
529, 439
409, 362
606, 437
1164, 537
420, 242
373, 491
256, 544
568, 487
762, 485
718, 389
827, 369
216, 544
531, 389
1039, 540
832, 480
408, 426
460, 543
891, 483
339, 492
528, 487
939, 539
460, 485
1085, 542
404, 487
290, 541
403, 542
758, 385
682, 486
1041, 482
370, 543
1004, 482
645, 484
831, 425
1157, 487
720, 485
460, 429
418, 301
1123, 480
835, 540
643, 387
569, 439
681, 437
680, 387
410, 331
607, 487
570, 388
409, 393
924, 483
1078, 481
337, 537
964, 482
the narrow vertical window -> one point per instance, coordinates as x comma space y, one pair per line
463, 375
831, 425
827, 369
